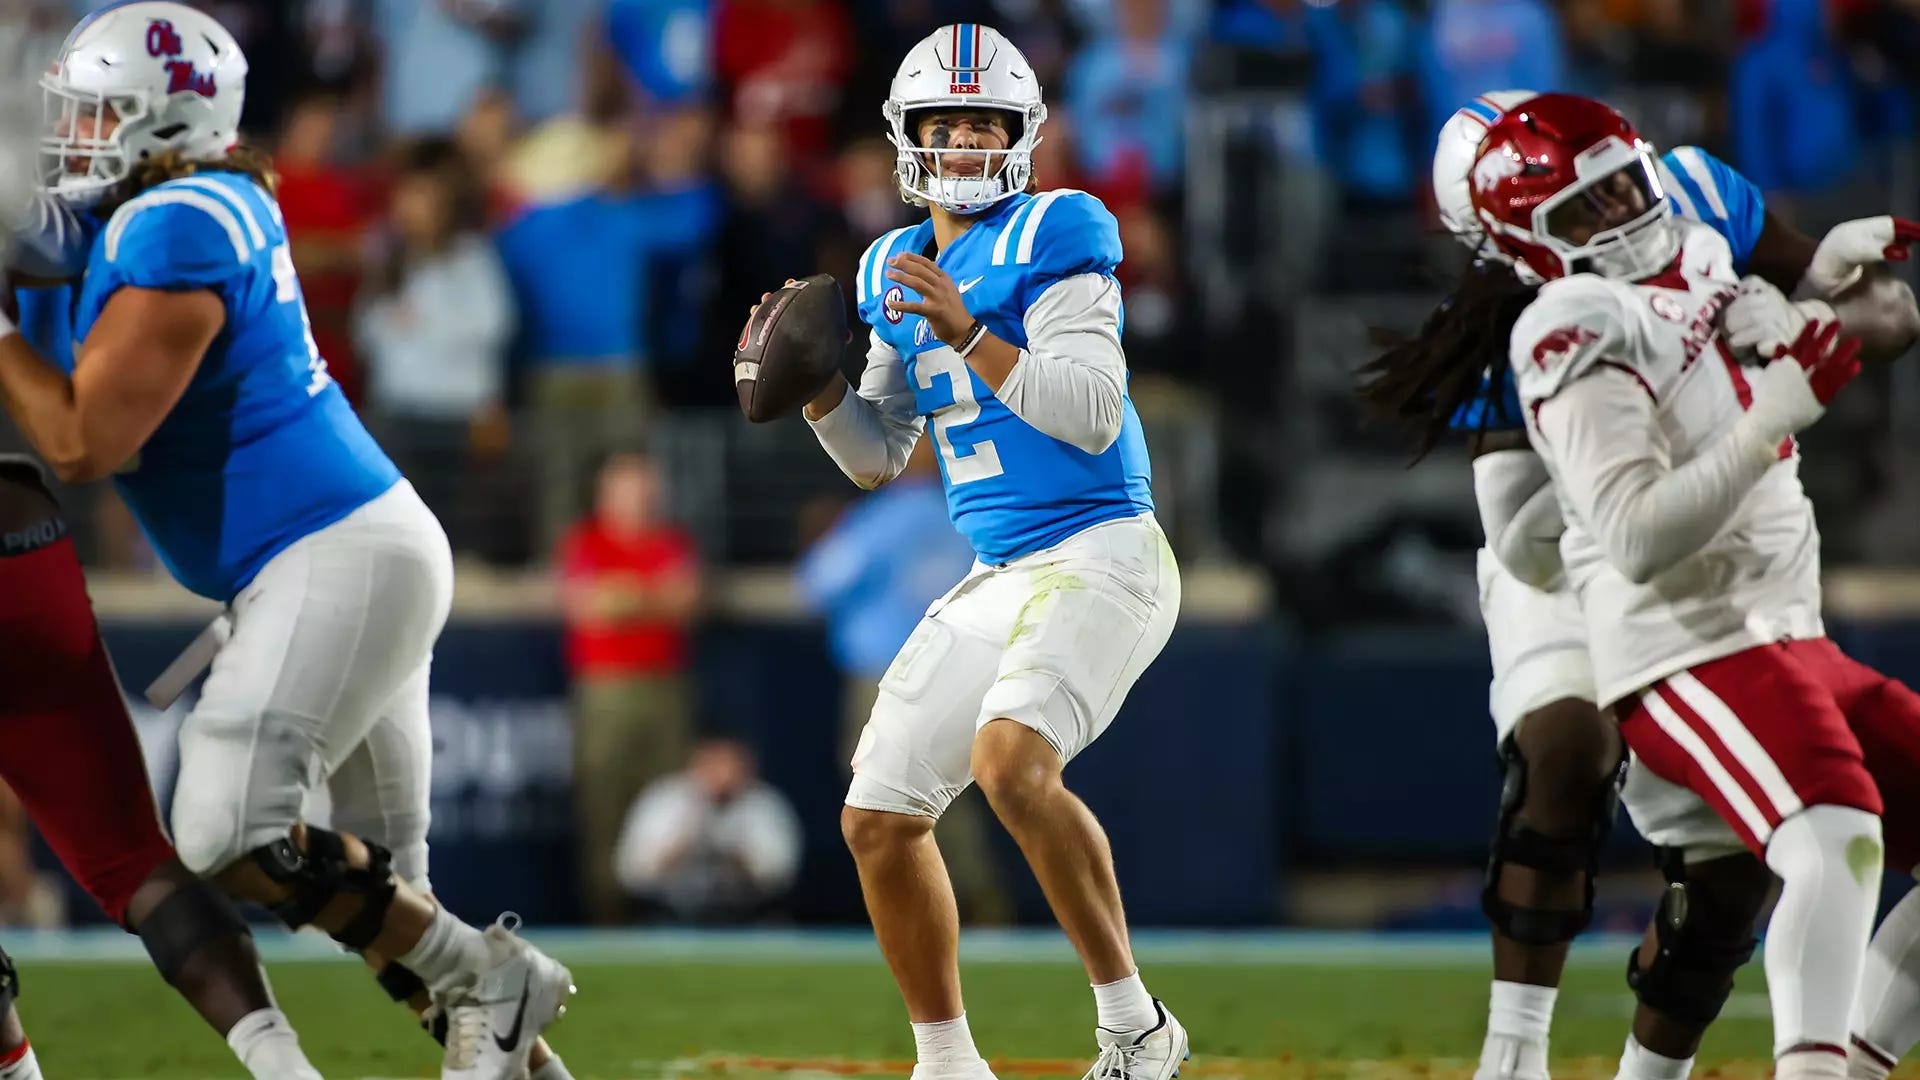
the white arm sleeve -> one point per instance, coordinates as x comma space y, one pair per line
1615, 470
1520, 512
49, 238
1071, 380
871, 432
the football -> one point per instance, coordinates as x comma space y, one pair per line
790, 349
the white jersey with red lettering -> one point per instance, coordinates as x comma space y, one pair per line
1757, 580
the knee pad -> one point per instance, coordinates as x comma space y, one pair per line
314, 878
1702, 937
189, 918
1517, 843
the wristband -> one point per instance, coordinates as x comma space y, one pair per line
971, 340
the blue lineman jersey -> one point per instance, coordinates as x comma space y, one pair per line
1700, 186
1011, 489
262, 448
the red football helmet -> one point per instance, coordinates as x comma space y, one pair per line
1565, 184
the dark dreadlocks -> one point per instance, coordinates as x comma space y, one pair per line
1422, 381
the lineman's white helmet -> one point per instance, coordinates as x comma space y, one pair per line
968, 66
1453, 156
172, 77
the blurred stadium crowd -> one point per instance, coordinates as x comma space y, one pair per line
529, 231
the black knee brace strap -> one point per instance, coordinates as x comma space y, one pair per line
322, 873
399, 981
190, 917
1699, 945
9, 983
1517, 843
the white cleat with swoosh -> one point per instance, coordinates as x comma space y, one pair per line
492, 1026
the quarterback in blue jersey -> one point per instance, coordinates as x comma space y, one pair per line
1564, 760
196, 385
995, 330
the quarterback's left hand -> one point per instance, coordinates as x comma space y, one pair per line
1761, 322
941, 303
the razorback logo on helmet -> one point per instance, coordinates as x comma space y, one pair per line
164, 40
1557, 345
1496, 165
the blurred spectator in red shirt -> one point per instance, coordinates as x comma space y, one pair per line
631, 586
326, 205
785, 62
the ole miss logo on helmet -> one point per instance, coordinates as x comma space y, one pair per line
164, 41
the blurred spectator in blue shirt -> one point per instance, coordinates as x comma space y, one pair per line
438, 58
1792, 107
1363, 52
1127, 91
875, 571
664, 45
1474, 46
581, 265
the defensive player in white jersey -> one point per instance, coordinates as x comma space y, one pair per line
995, 328
196, 385
1689, 541
1559, 751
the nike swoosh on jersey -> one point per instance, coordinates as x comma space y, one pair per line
965, 285
512, 1037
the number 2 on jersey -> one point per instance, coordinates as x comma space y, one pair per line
286, 286
984, 460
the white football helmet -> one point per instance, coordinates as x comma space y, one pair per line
172, 77
1453, 156
971, 66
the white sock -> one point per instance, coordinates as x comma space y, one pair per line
20, 1064
449, 954
1521, 1010
1886, 1015
1125, 1005
1811, 1065
265, 1043
1639, 1063
1828, 860
947, 1042
552, 1070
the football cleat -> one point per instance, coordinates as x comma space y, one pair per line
1154, 1054
1505, 1057
493, 1024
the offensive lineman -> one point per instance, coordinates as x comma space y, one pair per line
1561, 754
198, 387
996, 325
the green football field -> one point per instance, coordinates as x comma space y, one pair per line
658, 1005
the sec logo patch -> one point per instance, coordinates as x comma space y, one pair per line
892, 297
1668, 308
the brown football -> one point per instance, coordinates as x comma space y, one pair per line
790, 349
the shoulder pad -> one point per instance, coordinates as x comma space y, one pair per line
1059, 234
1574, 324
870, 282
185, 233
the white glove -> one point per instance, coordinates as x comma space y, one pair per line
1853, 245
1761, 321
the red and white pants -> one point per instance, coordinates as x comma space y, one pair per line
1764, 733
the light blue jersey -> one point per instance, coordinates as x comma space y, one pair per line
1011, 489
262, 448
1701, 187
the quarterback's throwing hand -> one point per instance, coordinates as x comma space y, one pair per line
945, 310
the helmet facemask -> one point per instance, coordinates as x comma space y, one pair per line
77, 162
1616, 218
933, 174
